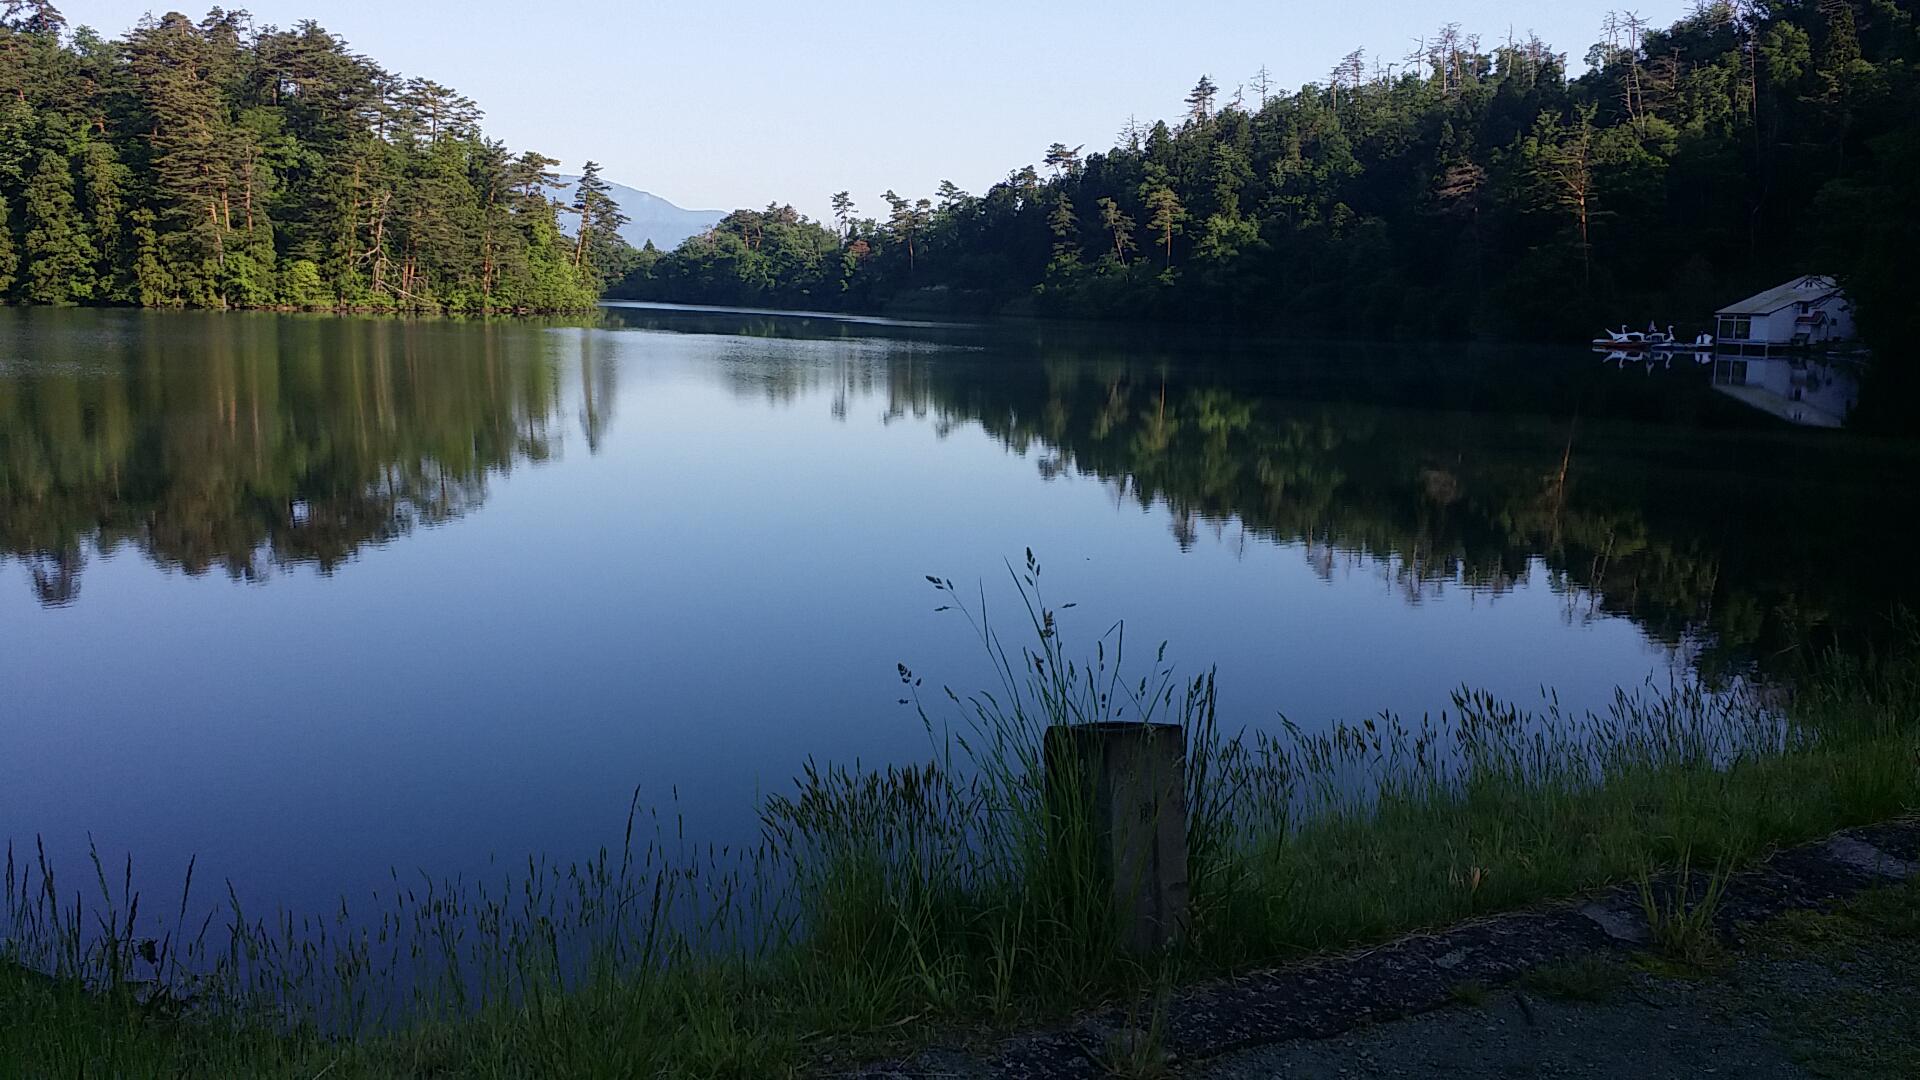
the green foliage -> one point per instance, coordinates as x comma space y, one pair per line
1839, 985
213, 164
771, 257
1874, 242
1586, 978
104, 180
598, 249
301, 285
1475, 192
1680, 912
9, 258
59, 258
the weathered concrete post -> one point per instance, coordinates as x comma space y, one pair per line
1128, 782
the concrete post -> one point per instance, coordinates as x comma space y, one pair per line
1128, 782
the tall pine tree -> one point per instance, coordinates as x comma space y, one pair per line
9, 258
59, 257
597, 248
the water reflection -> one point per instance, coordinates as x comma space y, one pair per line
1705, 539
684, 551
1654, 500
249, 444
1802, 390
255, 444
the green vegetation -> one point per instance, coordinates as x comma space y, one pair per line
1840, 986
935, 895
216, 164
1464, 189
1588, 978
1473, 993
1680, 916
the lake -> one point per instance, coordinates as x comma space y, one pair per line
311, 598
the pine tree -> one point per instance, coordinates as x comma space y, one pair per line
1117, 222
34, 17
598, 249
1200, 100
843, 212
152, 285
1560, 159
904, 223
211, 164
178, 68
1064, 225
104, 180
1167, 214
59, 258
1063, 160
9, 259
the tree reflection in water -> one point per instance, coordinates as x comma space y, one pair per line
256, 443
250, 444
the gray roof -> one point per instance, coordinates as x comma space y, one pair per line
1813, 287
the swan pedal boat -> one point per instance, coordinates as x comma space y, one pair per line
1636, 340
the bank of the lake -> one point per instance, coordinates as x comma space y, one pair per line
899, 905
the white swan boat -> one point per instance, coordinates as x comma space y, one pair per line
1624, 338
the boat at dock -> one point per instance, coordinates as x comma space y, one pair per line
1635, 340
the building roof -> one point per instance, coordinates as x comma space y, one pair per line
1813, 287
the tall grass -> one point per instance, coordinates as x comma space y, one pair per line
879, 905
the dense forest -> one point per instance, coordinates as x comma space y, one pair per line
1465, 189
216, 164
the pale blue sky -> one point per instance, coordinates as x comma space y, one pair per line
719, 104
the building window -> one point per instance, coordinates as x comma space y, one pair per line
1740, 327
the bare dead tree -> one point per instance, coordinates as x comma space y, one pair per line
1262, 84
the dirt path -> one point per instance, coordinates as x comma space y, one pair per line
1808, 967
1660, 1034
1828, 994
1832, 994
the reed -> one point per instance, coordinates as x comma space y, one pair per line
879, 906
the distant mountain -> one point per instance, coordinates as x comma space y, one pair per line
651, 217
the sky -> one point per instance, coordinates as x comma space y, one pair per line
717, 104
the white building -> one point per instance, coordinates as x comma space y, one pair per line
1805, 311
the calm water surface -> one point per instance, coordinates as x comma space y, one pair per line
316, 597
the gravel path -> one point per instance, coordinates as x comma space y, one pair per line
1659, 1032
1833, 994
1811, 969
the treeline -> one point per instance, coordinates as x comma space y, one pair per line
1465, 190
215, 164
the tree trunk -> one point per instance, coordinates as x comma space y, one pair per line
1586, 246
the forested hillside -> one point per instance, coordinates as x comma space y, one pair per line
216, 164
1469, 188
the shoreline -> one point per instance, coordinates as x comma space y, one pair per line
341, 309
896, 906
1325, 996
